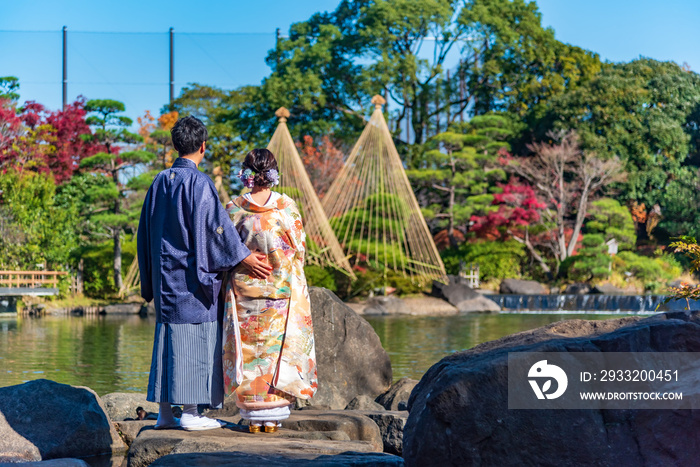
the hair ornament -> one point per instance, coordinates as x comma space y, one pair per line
247, 176
273, 177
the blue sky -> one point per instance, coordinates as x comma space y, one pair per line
133, 67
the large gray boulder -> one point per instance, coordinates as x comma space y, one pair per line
522, 287
458, 293
349, 355
459, 411
122, 309
384, 305
122, 405
607, 289
578, 288
398, 393
59, 420
363, 402
391, 424
57, 463
14, 447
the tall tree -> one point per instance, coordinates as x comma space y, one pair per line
459, 175
520, 216
111, 130
566, 179
65, 131
647, 113
330, 66
156, 136
26, 142
34, 228
322, 162
9, 87
237, 121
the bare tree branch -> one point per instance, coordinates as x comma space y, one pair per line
566, 179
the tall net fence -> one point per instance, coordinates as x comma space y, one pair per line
130, 67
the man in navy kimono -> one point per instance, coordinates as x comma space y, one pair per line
186, 241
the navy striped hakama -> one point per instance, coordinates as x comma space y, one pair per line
186, 367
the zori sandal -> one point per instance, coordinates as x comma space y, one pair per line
254, 428
271, 427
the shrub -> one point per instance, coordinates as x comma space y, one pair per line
652, 272
98, 264
317, 276
592, 260
496, 260
609, 218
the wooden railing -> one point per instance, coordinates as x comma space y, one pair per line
34, 279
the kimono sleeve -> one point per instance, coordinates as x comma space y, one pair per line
143, 249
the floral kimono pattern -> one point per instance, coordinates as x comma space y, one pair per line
269, 353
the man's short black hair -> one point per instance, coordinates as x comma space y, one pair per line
188, 134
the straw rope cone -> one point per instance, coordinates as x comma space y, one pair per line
322, 245
373, 208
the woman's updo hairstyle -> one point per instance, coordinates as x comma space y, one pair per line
264, 164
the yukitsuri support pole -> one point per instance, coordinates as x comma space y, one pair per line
133, 279
374, 212
322, 245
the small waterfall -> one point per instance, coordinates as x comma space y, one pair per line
590, 303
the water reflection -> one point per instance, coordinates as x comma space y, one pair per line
104, 353
113, 353
415, 343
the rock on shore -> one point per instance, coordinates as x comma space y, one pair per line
54, 420
391, 425
522, 287
349, 354
123, 405
458, 293
397, 395
459, 411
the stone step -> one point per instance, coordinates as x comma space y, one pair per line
235, 459
307, 434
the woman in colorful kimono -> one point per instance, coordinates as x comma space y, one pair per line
269, 355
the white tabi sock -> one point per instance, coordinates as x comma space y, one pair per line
191, 420
165, 414
190, 409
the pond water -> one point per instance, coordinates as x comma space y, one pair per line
113, 353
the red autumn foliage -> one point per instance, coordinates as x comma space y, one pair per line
518, 206
10, 125
322, 161
51, 141
25, 143
442, 239
71, 147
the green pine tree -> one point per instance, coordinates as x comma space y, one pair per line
116, 204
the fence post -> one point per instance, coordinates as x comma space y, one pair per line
172, 68
65, 67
